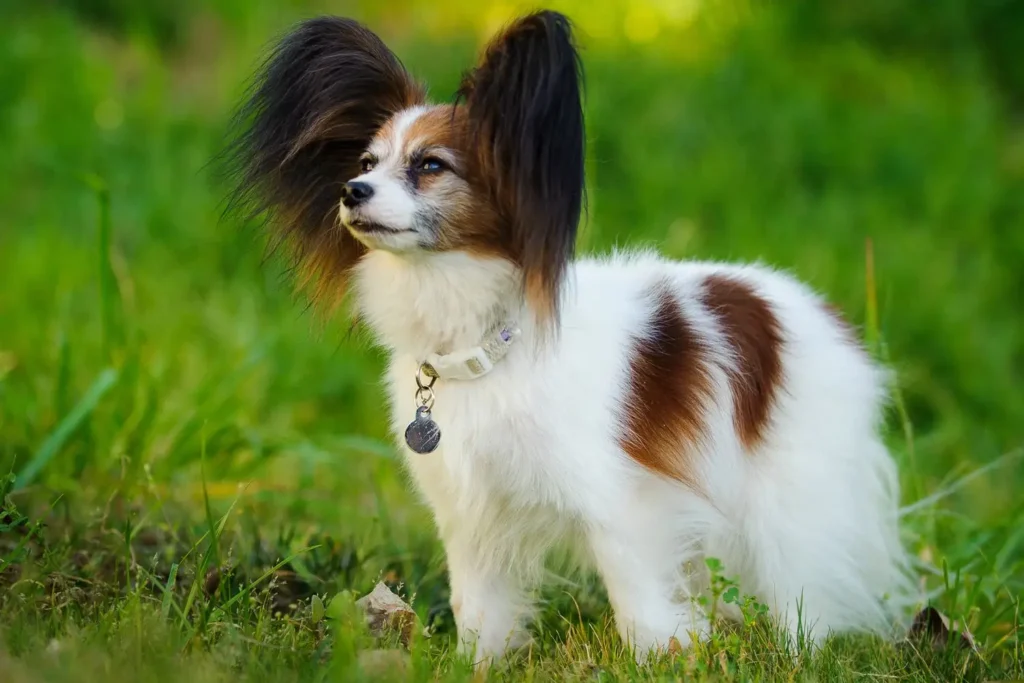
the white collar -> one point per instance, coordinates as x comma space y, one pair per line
476, 361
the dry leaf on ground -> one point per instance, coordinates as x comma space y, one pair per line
386, 612
933, 626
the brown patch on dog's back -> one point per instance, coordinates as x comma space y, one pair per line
755, 336
669, 389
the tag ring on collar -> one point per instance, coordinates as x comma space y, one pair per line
425, 378
426, 375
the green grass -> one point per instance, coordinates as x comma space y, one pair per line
194, 456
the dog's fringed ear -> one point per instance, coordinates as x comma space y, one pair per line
526, 124
313, 108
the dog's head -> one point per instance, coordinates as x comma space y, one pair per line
342, 152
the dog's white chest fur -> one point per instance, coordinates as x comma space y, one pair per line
539, 431
510, 436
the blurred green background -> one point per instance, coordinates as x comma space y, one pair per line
817, 137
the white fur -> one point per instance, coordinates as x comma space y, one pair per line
393, 204
530, 457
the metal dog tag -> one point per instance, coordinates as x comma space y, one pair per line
423, 435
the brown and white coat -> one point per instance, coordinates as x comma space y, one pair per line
653, 413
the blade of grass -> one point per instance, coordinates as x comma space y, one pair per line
214, 535
109, 295
871, 332
63, 373
220, 528
266, 575
960, 483
53, 443
215, 531
1011, 541
165, 604
873, 338
18, 553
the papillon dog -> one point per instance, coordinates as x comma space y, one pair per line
647, 413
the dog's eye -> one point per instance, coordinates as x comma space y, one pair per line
366, 164
432, 165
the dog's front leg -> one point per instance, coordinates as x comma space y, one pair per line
641, 573
490, 600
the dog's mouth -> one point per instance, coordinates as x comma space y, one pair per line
369, 227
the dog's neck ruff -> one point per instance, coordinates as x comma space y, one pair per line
476, 361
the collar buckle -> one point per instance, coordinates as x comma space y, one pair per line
473, 362
463, 365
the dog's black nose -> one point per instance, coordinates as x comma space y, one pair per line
353, 194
